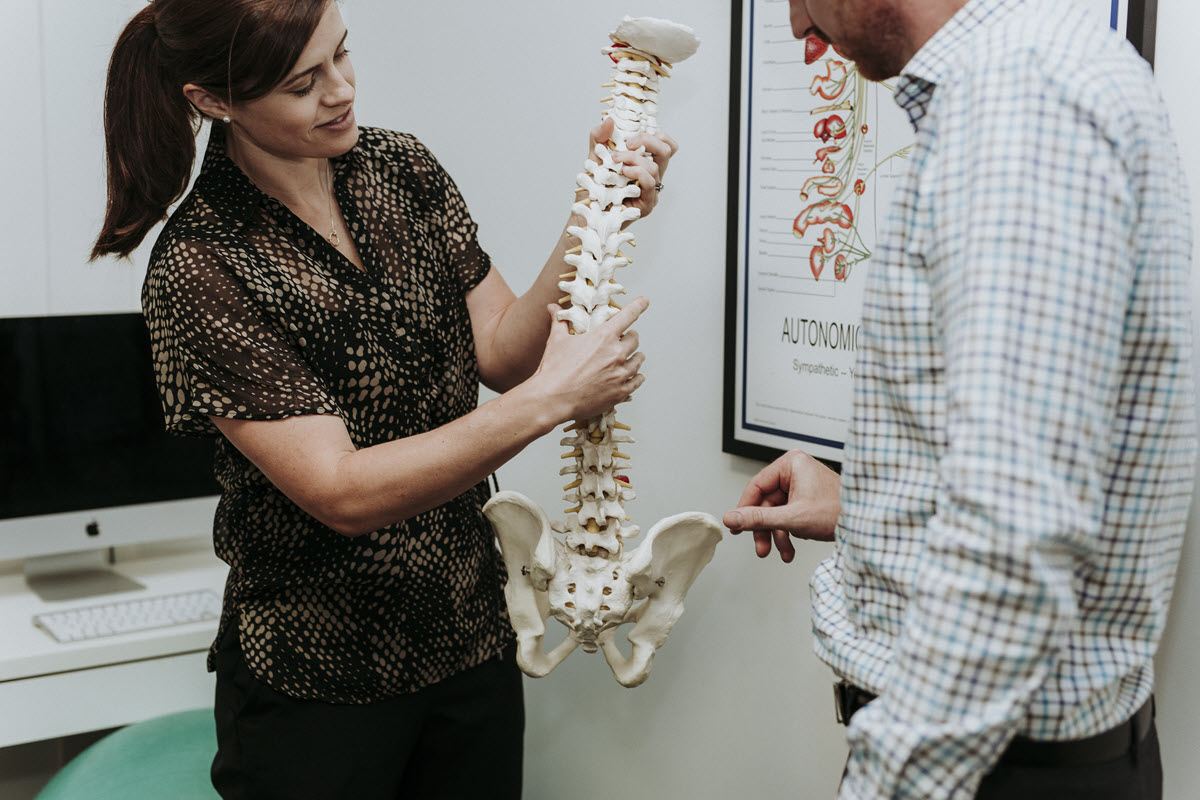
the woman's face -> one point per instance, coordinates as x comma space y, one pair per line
310, 114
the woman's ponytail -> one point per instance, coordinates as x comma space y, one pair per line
235, 49
150, 138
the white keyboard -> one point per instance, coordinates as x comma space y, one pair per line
128, 616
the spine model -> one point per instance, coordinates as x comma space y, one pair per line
588, 581
596, 522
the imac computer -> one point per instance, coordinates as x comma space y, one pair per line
85, 462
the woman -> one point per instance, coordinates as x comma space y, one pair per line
320, 303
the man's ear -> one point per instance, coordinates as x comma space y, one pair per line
205, 101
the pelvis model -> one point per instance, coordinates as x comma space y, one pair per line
584, 576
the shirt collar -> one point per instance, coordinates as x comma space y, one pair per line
230, 191
938, 56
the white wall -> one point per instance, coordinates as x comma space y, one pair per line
504, 94
53, 172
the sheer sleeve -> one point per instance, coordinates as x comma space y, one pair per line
454, 231
216, 351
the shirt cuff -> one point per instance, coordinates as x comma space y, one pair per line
911, 759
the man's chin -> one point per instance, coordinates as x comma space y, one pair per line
873, 71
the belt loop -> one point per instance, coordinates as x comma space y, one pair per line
841, 702
1135, 738
848, 699
1134, 750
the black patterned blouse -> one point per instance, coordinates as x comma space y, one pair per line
253, 315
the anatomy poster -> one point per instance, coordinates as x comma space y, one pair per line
816, 153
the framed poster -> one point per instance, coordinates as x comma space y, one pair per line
816, 151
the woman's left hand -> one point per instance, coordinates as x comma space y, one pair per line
645, 169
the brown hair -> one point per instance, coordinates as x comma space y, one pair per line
236, 49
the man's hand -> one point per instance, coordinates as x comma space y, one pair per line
796, 495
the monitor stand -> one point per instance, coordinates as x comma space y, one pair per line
75, 576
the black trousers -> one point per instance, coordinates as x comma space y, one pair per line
461, 738
1135, 775
1120, 764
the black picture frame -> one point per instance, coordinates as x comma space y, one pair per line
1141, 16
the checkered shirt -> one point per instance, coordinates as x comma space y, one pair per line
1021, 458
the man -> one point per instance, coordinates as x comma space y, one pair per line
1018, 470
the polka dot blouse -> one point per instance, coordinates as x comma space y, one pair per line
254, 315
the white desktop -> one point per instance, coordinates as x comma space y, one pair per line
49, 689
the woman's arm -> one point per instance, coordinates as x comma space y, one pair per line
510, 332
313, 461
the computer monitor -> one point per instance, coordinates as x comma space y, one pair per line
85, 461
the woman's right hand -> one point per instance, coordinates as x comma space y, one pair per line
583, 376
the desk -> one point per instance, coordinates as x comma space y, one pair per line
49, 689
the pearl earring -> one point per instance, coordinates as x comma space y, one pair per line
225, 119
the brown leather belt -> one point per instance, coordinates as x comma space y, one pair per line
1105, 746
